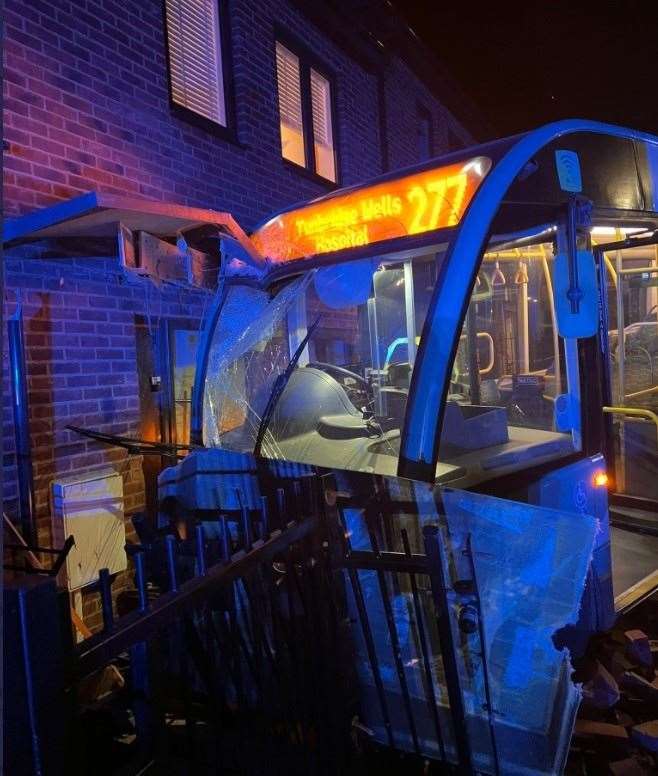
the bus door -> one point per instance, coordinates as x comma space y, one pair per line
632, 308
629, 273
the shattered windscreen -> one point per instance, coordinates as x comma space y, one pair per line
250, 349
341, 402
514, 576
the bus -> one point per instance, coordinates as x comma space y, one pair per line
468, 350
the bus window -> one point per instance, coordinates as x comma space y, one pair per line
344, 403
509, 372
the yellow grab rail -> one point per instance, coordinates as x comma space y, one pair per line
635, 412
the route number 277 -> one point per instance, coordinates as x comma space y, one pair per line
437, 203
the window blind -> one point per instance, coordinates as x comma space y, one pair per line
195, 57
290, 104
290, 98
322, 128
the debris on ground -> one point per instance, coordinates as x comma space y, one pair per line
601, 691
639, 687
603, 730
646, 735
617, 727
629, 767
638, 649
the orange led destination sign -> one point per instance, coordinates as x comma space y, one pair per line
414, 204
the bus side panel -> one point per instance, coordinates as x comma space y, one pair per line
572, 488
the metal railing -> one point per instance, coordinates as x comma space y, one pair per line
241, 650
232, 655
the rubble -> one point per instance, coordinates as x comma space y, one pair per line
628, 767
638, 686
638, 649
622, 718
617, 729
653, 646
646, 735
601, 691
604, 730
619, 664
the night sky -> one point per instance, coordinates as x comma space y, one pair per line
527, 63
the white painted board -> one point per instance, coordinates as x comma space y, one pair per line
90, 508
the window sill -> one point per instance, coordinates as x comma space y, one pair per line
309, 174
201, 122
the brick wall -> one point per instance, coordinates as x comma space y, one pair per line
86, 107
402, 112
81, 322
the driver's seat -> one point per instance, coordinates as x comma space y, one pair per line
310, 395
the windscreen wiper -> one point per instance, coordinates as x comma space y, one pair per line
132, 445
279, 386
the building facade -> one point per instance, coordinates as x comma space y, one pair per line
89, 103
233, 105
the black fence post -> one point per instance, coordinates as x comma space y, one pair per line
440, 585
105, 587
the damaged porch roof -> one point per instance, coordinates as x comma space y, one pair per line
96, 214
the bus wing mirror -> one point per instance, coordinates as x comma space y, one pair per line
584, 321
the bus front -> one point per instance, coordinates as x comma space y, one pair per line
437, 340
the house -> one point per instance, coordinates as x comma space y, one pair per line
233, 105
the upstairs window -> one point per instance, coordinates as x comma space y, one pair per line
196, 71
305, 114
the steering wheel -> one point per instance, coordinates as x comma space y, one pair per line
356, 395
338, 370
